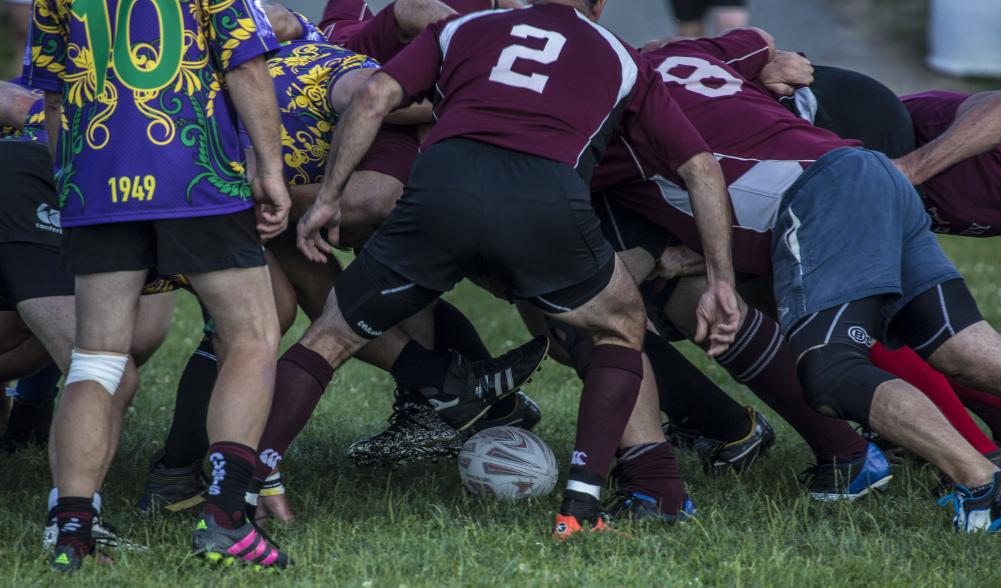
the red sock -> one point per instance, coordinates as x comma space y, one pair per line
984, 405
909, 367
611, 387
760, 359
302, 376
652, 469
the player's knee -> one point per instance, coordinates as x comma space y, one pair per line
840, 381
105, 369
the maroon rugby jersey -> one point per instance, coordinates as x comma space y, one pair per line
349, 23
761, 147
543, 80
965, 199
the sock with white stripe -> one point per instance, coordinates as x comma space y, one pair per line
611, 387
761, 360
652, 470
188, 438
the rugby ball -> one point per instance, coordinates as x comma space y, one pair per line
507, 463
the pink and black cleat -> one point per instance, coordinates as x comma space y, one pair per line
246, 545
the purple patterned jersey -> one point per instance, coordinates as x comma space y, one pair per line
148, 131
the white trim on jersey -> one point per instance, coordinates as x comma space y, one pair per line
630, 71
364, 7
755, 196
751, 54
445, 38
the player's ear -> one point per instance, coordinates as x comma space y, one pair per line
597, 8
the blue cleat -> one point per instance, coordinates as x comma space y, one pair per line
976, 511
830, 482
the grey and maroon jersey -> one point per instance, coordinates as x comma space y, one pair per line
762, 148
966, 198
545, 81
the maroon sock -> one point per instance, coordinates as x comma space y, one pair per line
652, 470
74, 519
302, 376
760, 359
984, 405
611, 387
232, 469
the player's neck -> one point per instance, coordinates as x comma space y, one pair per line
582, 6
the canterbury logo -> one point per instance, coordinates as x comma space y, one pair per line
270, 458
49, 218
579, 458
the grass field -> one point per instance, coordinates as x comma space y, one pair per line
415, 527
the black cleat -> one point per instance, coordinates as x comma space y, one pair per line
66, 559
415, 432
471, 388
526, 414
718, 456
172, 490
626, 504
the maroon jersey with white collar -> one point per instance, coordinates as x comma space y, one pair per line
761, 147
964, 199
542, 80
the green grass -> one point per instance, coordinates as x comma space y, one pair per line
415, 526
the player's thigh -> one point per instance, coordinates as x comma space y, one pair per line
311, 282
368, 199
156, 313
285, 297
52, 319
107, 306
13, 331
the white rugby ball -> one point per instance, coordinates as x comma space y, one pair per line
508, 463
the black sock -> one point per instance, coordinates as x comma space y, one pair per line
690, 399
75, 518
417, 368
232, 470
188, 439
29, 423
452, 330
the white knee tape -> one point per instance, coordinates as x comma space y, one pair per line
106, 370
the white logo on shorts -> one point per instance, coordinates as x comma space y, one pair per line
50, 219
859, 335
579, 458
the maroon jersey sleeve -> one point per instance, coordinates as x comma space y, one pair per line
656, 127
417, 66
744, 51
467, 6
344, 11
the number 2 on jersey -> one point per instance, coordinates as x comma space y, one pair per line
502, 72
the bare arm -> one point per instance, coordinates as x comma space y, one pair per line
352, 138
285, 25
718, 314
252, 91
977, 129
15, 104
415, 114
53, 120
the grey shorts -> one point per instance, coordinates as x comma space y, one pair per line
852, 227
